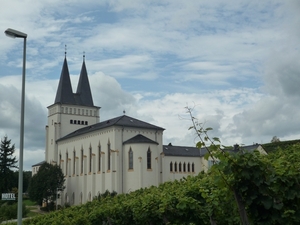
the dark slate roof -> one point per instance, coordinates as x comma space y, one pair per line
170, 150
139, 139
65, 95
83, 88
121, 121
39, 164
64, 92
248, 148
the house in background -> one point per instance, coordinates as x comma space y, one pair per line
35, 168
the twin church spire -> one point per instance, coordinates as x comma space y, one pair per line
65, 95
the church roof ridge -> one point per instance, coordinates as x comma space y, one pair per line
139, 139
122, 121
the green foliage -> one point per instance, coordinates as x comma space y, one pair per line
274, 146
43, 185
7, 162
192, 200
8, 211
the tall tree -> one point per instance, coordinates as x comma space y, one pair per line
275, 139
7, 162
44, 184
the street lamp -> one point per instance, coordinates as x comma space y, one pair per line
17, 34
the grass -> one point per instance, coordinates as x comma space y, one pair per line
33, 214
28, 202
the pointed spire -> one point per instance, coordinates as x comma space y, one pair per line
83, 89
64, 92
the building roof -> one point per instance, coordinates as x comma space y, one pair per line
139, 139
65, 95
121, 121
64, 92
83, 88
170, 150
38, 164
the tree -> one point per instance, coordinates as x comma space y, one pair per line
7, 162
275, 139
43, 185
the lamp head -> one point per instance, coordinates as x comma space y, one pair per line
14, 33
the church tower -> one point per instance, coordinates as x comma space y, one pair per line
70, 111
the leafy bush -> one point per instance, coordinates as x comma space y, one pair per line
9, 211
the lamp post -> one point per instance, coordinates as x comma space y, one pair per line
17, 34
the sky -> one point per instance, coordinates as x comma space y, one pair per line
235, 63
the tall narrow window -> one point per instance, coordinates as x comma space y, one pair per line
108, 156
99, 157
91, 156
175, 167
81, 168
59, 160
74, 160
171, 167
180, 167
130, 159
148, 159
67, 163
184, 167
193, 167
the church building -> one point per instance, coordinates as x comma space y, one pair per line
121, 154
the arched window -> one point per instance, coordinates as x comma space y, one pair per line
73, 198
193, 167
80, 197
67, 163
130, 159
74, 161
59, 160
180, 167
108, 155
91, 156
171, 167
184, 169
81, 168
89, 197
148, 159
66, 198
99, 157
189, 167
175, 167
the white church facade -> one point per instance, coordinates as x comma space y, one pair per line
121, 154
